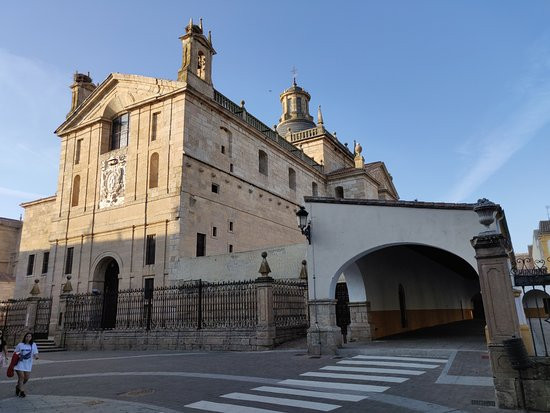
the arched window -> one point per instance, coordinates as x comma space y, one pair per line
76, 191
262, 161
201, 66
291, 178
403, 307
339, 192
154, 171
314, 190
119, 132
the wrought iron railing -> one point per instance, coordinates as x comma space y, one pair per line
229, 305
191, 305
289, 303
13, 315
42, 318
533, 278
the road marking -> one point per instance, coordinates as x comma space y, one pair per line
401, 359
372, 369
123, 357
395, 364
334, 385
310, 393
388, 379
227, 408
324, 407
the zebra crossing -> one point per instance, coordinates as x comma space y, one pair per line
349, 381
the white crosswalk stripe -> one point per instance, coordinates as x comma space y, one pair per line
310, 393
372, 369
335, 385
394, 364
418, 359
389, 369
388, 379
303, 404
227, 408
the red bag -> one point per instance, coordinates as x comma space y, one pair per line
14, 361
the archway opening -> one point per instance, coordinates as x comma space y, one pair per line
410, 287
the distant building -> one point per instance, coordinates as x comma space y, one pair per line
541, 242
10, 235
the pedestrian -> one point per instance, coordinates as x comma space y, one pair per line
3, 351
26, 350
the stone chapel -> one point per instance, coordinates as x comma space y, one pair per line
153, 170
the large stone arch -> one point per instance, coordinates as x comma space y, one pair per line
344, 231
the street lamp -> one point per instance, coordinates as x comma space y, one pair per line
303, 223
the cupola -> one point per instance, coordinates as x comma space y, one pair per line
295, 117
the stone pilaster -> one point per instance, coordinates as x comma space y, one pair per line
323, 335
359, 328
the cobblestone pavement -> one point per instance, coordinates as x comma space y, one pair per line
406, 374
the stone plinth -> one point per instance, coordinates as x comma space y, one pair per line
323, 335
359, 328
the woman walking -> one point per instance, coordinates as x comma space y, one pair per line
26, 350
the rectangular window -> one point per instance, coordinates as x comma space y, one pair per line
230, 248
119, 132
230, 226
45, 262
201, 245
214, 232
215, 188
154, 126
69, 260
30, 264
150, 250
149, 286
299, 105
223, 149
77, 151
230, 167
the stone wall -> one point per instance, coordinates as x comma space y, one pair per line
284, 261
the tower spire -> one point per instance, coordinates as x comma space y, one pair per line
319, 116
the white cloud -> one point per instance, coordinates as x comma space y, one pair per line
490, 149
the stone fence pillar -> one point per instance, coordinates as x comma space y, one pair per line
265, 329
499, 305
359, 327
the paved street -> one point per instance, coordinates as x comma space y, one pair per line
398, 375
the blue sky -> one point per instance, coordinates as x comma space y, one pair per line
454, 96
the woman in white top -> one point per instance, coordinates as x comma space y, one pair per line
26, 350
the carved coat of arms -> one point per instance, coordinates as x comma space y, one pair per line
113, 174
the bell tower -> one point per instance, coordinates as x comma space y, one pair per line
296, 117
196, 66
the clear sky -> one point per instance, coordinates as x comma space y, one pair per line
454, 96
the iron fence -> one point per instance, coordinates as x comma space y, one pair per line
191, 305
13, 315
289, 303
42, 318
533, 278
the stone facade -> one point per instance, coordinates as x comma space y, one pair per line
155, 172
10, 235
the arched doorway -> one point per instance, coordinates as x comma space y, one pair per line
105, 285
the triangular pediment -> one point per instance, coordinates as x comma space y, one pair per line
115, 95
379, 172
